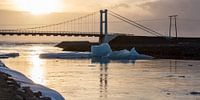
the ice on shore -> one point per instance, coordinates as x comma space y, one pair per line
103, 51
26, 82
46, 92
16, 75
2, 64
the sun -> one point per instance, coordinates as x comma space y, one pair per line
38, 7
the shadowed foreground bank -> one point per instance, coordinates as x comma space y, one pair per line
11, 90
158, 47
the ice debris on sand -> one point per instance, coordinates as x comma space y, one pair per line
26, 82
99, 51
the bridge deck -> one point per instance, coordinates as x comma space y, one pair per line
82, 34
51, 33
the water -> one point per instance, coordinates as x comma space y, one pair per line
81, 79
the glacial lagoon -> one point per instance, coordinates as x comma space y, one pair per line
91, 79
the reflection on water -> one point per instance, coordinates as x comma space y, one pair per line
103, 80
173, 66
82, 79
36, 71
107, 60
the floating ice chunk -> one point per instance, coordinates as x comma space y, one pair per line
121, 55
3, 57
101, 50
142, 56
66, 55
127, 55
8, 55
134, 52
139, 56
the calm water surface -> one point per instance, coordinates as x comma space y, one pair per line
84, 80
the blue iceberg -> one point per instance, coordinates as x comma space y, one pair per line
101, 50
105, 51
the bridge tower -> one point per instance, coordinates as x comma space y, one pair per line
103, 25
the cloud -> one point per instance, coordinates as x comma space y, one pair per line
185, 8
188, 19
6, 4
187, 11
156, 13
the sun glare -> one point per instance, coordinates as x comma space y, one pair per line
37, 71
38, 7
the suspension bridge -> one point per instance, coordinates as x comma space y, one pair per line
92, 25
97, 24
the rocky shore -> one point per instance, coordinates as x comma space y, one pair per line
11, 90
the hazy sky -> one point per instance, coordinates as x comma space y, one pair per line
52, 11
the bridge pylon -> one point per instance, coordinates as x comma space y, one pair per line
103, 25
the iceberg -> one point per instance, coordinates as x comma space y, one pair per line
26, 82
102, 51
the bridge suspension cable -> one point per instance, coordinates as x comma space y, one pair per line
80, 24
135, 24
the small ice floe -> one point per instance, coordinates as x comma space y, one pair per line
102, 51
66, 55
176, 76
195, 93
8, 55
26, 82
3, 57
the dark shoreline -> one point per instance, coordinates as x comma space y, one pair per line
11, 90
158, 47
